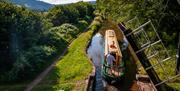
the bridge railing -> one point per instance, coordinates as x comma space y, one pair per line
149, 42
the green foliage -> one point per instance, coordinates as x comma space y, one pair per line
85, 10
11, 88
73, 67
176, 85
23, 29
71, 13
82, 24
63, 14
66, 31
28, 40
163, 13
66, 87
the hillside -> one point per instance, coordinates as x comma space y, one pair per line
38, 5
33, 4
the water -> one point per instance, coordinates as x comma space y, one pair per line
96, 53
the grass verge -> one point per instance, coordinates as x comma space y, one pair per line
74, 66
71, 72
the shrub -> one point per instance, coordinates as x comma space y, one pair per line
82, 24
65, 31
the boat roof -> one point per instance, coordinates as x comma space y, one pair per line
111, 43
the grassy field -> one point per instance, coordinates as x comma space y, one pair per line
72, 71
73, 68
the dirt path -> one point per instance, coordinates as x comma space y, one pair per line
44, 73
35, 82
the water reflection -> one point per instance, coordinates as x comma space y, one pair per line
96, 49
96, 53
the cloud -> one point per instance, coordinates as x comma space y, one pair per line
63, 1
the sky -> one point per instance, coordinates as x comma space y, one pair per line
63, 1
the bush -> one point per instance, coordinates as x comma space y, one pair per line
65, 31
82, 24
71, 13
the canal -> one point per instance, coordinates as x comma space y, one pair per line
96, 54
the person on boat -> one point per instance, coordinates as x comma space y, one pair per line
110, 60
113, 45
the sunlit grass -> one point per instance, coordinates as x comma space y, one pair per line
74, 66
175, 85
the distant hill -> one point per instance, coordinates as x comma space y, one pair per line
37, 5
33, 4
93, 2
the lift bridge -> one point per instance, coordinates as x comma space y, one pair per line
153, 56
